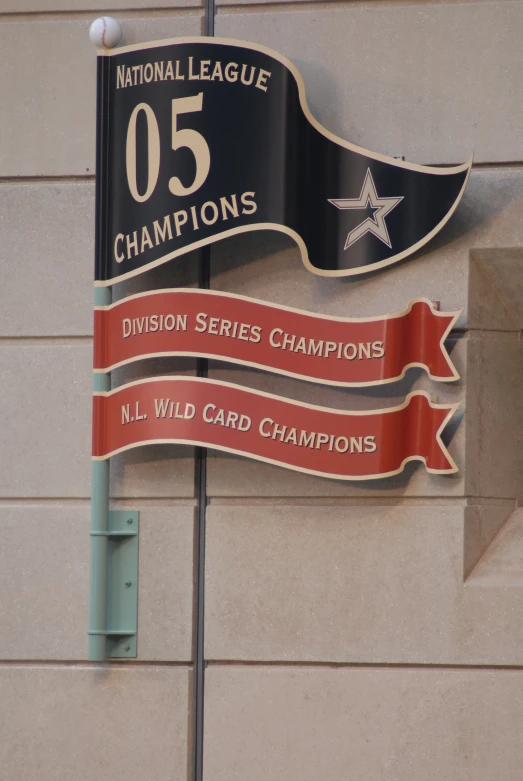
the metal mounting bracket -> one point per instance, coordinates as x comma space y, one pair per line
122, 585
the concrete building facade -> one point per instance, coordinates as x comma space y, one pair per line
353, 631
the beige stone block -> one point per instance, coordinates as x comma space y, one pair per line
430, 82
502, 563
155, 470
372, 724
268, 266
481, 526
381, 583
89, 723
496, 289
45, 419
47, 93
494, 411
165, 598
43, 6
487, 307
232, 476
252, 2
44, 581
47, 258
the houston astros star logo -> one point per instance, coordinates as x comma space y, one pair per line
381, 208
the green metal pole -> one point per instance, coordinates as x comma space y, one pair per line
99, 527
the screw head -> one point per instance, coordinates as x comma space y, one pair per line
128, 584
127, 648
129, 521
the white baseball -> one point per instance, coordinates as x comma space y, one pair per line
105, 32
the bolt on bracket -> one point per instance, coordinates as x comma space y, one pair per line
121, 595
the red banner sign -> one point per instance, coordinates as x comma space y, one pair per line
330, 350
316, 440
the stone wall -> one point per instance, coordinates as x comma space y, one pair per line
367, 631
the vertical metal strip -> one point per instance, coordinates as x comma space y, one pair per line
199, 658
210, 12
201, 487
100, 469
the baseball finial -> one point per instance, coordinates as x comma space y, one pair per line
105, 32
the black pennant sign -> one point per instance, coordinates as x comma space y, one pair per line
200, 139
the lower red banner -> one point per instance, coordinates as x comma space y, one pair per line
316, 440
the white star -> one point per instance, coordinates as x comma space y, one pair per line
374, 224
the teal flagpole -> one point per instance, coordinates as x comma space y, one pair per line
99, 528
97, 651
113, 590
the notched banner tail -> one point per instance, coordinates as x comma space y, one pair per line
210, 138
